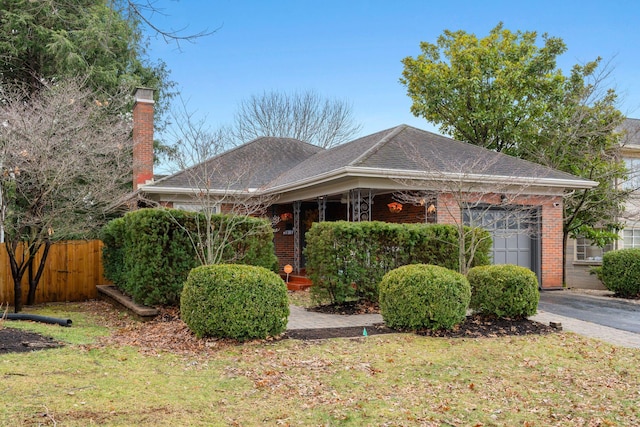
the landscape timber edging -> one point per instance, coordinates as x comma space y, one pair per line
112, 294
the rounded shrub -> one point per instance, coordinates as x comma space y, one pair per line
621, 272
420, 296
504, 290
234, 301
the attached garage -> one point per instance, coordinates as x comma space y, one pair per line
515, 231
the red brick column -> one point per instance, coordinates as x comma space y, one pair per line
448, 210
142, 137
551, 235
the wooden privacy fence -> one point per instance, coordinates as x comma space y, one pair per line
72, 272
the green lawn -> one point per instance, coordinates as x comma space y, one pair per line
397, 379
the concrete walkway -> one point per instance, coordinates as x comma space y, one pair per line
299, 318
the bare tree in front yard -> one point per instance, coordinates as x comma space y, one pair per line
65, 156
214, 186
464, 190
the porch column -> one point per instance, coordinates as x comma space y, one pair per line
361, 201
322, 208
296, 236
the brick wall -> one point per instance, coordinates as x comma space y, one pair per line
283, 239
551, 257
409, 213
142, 138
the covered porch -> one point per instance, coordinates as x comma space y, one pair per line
294, 219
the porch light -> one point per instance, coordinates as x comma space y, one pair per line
287, 216
395, 207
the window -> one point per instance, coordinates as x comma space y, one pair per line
195, 207
631, 237
633, 177
587, 251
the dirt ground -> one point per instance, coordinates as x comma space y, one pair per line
19, 341
169, 333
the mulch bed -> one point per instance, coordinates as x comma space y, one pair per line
347, 332
19, 341
474, 326
346, 308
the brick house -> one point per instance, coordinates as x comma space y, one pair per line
402, 174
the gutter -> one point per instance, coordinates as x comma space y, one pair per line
433, 177
349, 172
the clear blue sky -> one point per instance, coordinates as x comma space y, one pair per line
351, 49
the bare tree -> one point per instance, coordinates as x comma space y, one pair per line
215, 187
305, 116
465, 191
65, 155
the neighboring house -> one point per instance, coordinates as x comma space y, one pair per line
582, 255
363, 180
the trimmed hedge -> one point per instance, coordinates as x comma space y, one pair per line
504, 290
148, 254
234, 301
621, 272
346, 260
424, 296
112, 235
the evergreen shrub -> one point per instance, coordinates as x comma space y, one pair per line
504, 291
234, 301
621, 272
421, 296
347, 260
159, 255
113, 253
148, 253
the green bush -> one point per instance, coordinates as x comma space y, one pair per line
423, 296
234, 301
148, 254
342, 254
113, 253
504, 290
159, 255
621, 272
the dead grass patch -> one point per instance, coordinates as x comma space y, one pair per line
394, 379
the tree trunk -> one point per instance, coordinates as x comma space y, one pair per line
462, 251
33, 281
17, 272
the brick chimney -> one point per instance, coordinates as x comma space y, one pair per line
142, 137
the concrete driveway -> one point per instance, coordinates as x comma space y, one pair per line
596, 315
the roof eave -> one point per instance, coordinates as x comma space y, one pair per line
154, 189
399, 174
